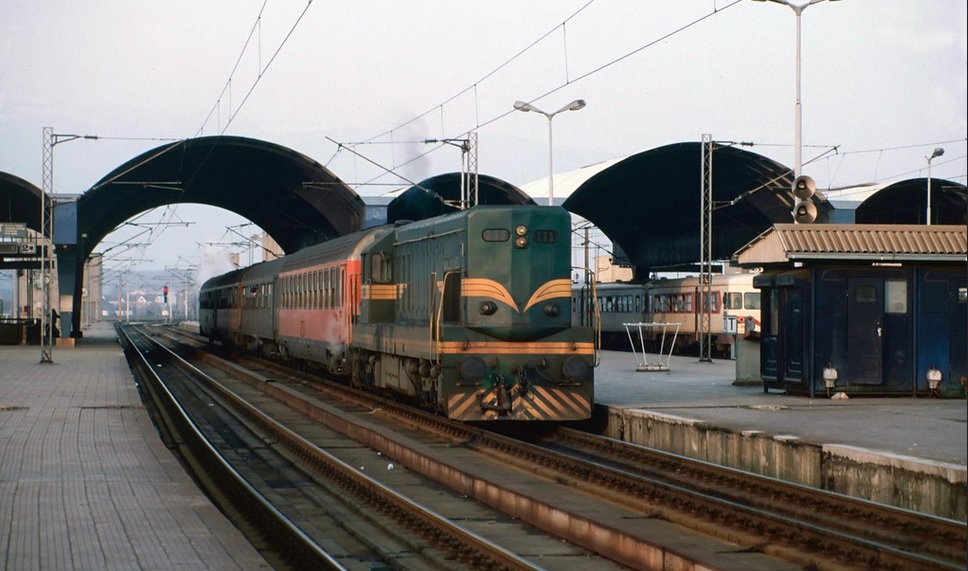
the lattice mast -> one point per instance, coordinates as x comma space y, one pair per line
706, 253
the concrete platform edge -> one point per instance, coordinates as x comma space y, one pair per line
919, 485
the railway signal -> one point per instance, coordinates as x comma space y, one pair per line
164, 292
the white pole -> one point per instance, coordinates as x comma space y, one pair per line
935, 153
797, 140
551, 168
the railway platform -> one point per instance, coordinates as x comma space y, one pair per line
85, 481
904, 451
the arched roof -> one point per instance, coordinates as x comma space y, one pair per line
441, 194
19, 201
293, 198
905, 202
649, 203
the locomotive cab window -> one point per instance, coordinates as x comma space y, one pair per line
380, 268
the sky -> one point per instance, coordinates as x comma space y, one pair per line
359, 86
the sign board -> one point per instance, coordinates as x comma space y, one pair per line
730, 323
14, 249
13, 229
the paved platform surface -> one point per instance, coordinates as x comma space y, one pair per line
923, 428
85, 481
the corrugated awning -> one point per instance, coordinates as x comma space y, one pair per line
792, 242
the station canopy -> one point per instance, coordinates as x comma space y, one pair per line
19, 201
905, 202
293, 198
650, 204
444, 193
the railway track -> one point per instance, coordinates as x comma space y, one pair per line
333, 516
639, 494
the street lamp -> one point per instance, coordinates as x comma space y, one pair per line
573, 106
935, 153
797, 9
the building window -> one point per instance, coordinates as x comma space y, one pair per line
895, 296
865, 293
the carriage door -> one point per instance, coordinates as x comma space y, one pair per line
865, 330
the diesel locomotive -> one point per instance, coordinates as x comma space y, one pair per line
468, 313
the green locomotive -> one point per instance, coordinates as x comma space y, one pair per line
467, 313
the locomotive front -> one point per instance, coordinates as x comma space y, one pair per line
515, 354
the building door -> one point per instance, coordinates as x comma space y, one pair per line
958, 339
865, 331
793, 334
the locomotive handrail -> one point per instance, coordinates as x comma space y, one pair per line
597, 317
589, 309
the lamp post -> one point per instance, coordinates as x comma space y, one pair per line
935, 153
573, 106
797, 9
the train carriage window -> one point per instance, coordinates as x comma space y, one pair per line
712, 299
332, 287
752, 300
733, 300
302, 291
337, 295
316, 302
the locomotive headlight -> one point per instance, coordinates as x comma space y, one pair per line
520, 229
520, 242
488, 307
551, 309
574, 369
472, 369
